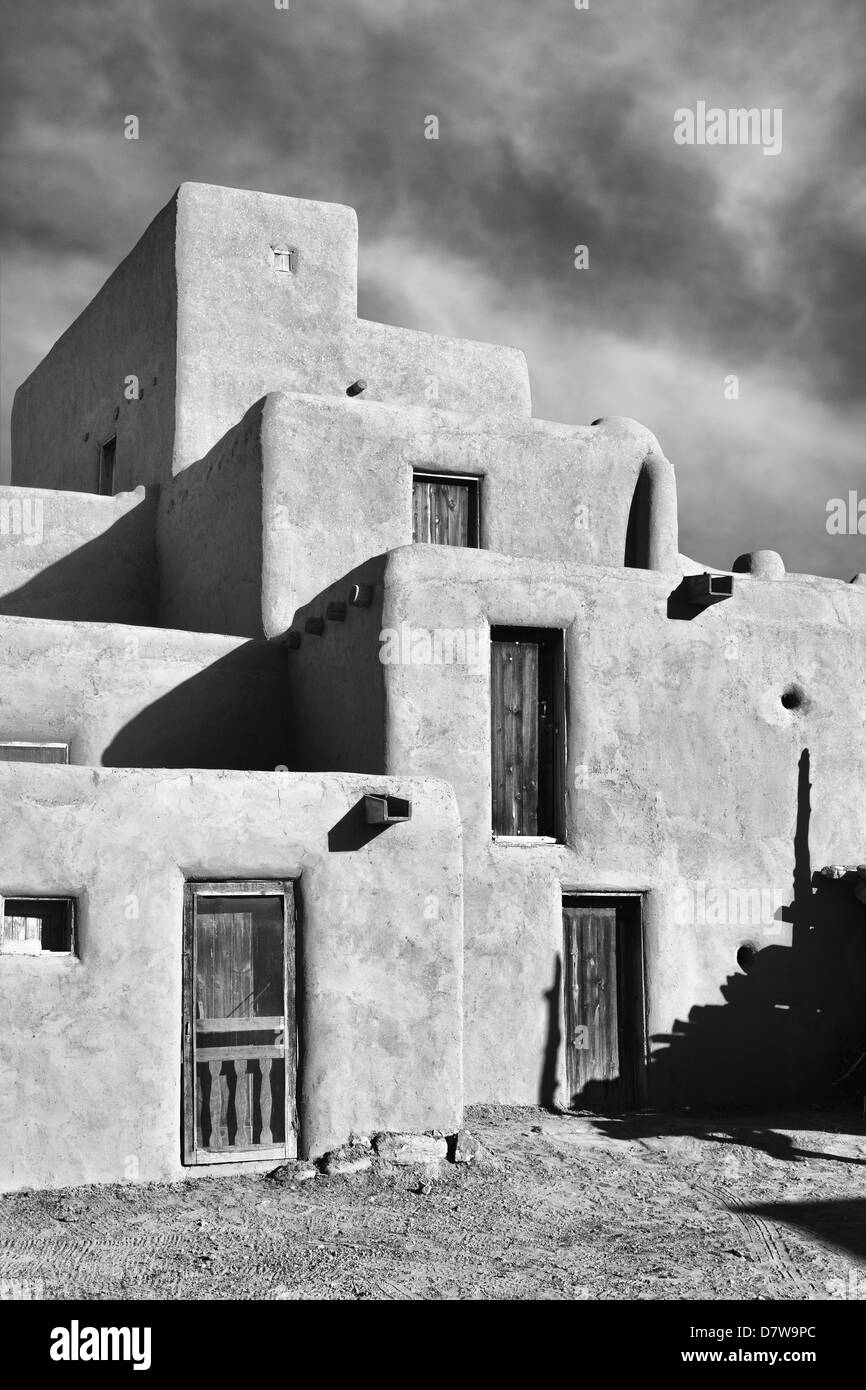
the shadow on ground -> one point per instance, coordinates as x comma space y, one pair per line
838, 1223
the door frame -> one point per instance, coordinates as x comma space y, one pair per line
551, 642
473, 487
192, 1155
634, 901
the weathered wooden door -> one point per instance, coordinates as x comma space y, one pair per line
239, 1024
603, 1001
444, 509
525, 725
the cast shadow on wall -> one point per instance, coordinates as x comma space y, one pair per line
111, 578
231, 715
792, 1021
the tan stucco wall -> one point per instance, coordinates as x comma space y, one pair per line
92, 1046
245, 329
210, 537
143, 697
199, 305
71, 556
683, 769
129, 328
337, 479
338, 715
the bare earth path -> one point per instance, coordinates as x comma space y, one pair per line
565, 1207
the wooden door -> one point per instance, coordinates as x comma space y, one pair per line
603, 1002
526, 699
444, 509
239, 1024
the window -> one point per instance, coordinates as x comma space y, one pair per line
38, 926
107, 459
34, 752
445, 509
527, 706
285, 258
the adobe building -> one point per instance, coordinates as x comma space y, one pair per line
369, 749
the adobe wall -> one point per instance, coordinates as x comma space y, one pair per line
337, 702
74, 400
210, 537
92, 1046
246, 329
687, 780
69, 556
200, 313
143, 697
338, 488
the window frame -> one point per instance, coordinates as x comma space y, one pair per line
192, 1154
552, 642
71, 903
472, 482
101, 478
35, 743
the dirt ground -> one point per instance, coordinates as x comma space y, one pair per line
562, 1207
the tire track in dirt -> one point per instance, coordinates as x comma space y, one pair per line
765, 1240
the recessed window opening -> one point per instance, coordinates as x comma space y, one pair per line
446, 509
107, 460
33, 751
285, 258
38, 926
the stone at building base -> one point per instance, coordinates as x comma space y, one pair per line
296, 1171
466, 1148
407, 1149
351, 1158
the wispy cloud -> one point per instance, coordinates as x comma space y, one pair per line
555, 129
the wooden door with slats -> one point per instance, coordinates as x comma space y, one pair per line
239, 1022
603, 1002
526, 698
444, 510
515, 770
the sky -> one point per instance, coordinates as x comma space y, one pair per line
556, 129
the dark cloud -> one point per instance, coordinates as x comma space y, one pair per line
555, 129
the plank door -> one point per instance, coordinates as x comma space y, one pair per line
526, 724
603, 1002
239, 1024
444, 509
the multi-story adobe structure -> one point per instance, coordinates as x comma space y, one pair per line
369, 748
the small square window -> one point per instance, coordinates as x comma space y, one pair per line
285, 258
38, 926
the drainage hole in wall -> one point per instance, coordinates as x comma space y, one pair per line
746, 956
792, 698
